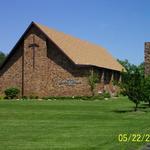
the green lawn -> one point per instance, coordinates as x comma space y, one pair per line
70, 124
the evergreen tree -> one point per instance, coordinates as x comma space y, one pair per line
2, 57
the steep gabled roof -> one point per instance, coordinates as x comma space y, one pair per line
82, 52
79, 51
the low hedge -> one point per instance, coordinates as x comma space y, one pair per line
101, 97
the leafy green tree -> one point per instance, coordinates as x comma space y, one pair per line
93, 79
128, 66
2, 57
141, 68
146, 89
132, 85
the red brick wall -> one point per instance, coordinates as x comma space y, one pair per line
34, 70
60, 70
11, 74
52, 70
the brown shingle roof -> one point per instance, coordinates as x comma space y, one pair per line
82, 52
79, 51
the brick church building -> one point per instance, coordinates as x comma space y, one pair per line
45, 62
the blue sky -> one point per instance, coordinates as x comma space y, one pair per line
121, 26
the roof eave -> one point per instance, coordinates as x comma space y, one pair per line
12, 50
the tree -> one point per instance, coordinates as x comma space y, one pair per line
2, 57
141, 68
146, 89
134, 83
128, 66
131, 85
93, 79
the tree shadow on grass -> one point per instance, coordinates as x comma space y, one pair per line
123, 111
145, 105
142, 108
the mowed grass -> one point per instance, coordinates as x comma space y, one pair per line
70, 124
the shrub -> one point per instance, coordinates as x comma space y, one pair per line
1, 97
33, 97
99, 97
93, 79
106, 95
12, 92
24, 97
